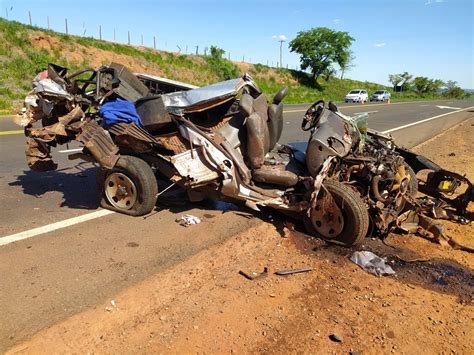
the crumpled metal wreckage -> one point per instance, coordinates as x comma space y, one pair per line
221, 142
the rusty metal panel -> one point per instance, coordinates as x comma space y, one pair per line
99, 143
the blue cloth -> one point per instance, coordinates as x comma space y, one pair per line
119, 111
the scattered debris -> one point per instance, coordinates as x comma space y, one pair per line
336, 338
187, 220
292, 271
371, 263
254, 275
440, 281
132, 244
114, 306
452, 154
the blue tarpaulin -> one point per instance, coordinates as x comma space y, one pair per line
119, 111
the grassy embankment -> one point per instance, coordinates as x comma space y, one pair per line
26, 50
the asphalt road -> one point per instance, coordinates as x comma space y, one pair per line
54, 275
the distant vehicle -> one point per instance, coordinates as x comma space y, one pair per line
357, 96
380, 95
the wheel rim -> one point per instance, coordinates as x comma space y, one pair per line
326, 218
120, 191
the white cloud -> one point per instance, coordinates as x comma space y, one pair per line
380, 45
430, 2
280, 37
336, 21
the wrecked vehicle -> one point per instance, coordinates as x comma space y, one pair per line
221, 142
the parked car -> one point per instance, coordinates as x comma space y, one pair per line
357, 96
380, 95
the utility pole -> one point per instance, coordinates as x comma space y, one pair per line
154, 42
100, 32
128, 37
197, 50
281, 40
142, 40
6, 12
29, 15
114, 34
65, 20
47, 19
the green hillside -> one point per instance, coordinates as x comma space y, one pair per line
26, 50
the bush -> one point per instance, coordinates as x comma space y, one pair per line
223, 68
456, 93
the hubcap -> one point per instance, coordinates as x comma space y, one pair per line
120, 191
327, 218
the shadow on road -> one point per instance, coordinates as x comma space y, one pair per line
79, 189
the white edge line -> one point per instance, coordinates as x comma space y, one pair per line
368, 112
425, 120
70, 150
52, 227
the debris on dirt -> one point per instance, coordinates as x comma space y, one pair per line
292, 271
336, 338
452, 154
114, 306
254, 275
371, 263
132, 244
188, 220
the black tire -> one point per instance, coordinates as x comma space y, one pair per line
144, 188
354, 211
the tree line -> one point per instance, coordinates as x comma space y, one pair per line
422, 85
321, 48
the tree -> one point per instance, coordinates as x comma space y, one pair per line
319, 48
451, 84
397, 78
224, 68
454, 91
423, 85
346, 62
216, 52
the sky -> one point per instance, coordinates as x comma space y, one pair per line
432, 38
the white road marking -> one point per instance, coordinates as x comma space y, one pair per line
368, 112
70, 150
425, 120
448, 107
53, 226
